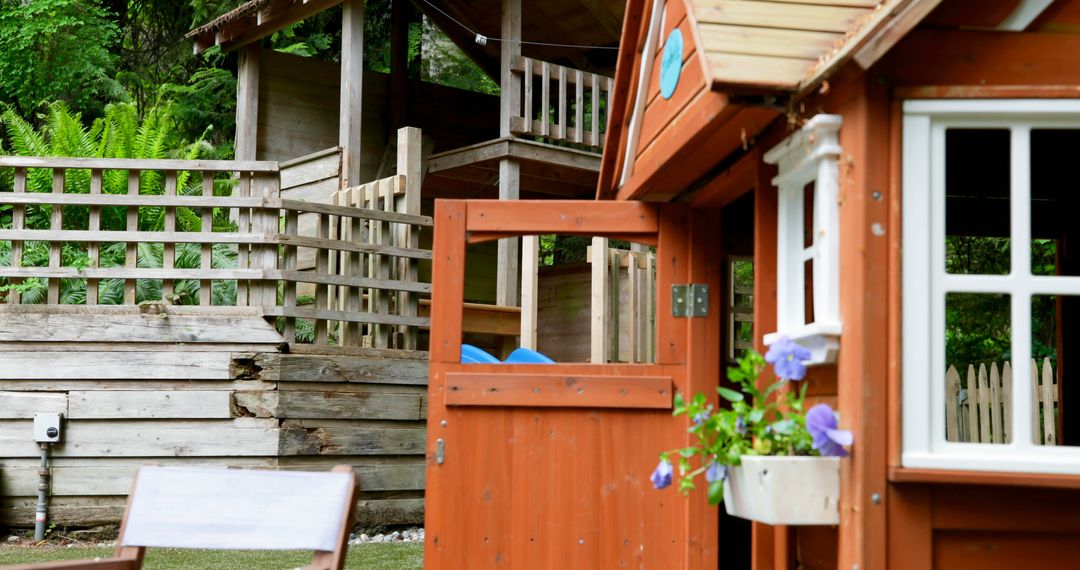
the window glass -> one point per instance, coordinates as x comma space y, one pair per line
977, 170
978, 381
1045, 366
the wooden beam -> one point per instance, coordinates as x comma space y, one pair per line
508, 272
484, 319
881, 41
763, 541
138, 164
447, 285
247, 103
968, 57
525, 150
530, 265
619, 100
352, 79
558, 390
987, 92
725, 187
599, 308
566, 217
249, 29
633, 131
862, 366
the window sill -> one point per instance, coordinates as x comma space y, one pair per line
821, 339
957, 477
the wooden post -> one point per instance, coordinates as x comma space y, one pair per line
265, 221
507, 287
598, 302
132, 247
206, 253
56, 223
530, 266
93, 250
18, 218
763, 537
247, 103
410, 164
400, 18
862, 364
352, 78
168, 253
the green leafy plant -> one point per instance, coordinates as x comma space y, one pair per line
57, 48
119, 133
769, 421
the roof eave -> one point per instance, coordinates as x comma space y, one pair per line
254, 20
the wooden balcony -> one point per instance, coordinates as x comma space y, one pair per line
555, 127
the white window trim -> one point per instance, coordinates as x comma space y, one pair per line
925, 284
810, 155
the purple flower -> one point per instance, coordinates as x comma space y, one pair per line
740, 425
829, 441
787, 358
661, 476
715, 472
701, 417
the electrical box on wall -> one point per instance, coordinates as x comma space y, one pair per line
47, 427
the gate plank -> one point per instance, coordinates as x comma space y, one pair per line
558, 390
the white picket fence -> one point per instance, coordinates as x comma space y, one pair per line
982, 412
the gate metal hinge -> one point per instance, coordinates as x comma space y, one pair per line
691, 300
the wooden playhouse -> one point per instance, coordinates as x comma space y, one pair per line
900, 171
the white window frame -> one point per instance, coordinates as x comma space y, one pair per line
811, 155
925, 283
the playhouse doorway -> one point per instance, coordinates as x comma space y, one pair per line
737, 249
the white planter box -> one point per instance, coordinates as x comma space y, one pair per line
780, 490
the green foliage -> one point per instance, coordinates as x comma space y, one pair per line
52, 49
978, 326
205, 107
444, 63
120, 133
757, 422
317, 36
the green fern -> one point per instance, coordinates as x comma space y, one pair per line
119, 133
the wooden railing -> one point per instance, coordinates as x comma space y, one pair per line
560, 103
208, 233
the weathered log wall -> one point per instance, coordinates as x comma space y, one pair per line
224, 396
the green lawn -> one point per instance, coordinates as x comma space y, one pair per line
392, 556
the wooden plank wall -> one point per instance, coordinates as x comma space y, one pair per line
298, 110
563, 313
131, 396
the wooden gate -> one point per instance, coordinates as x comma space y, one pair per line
547, 466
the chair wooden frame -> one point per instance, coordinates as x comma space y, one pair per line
131, 557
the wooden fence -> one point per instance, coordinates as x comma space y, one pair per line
978, 408
604, 312
209, 233
577, 114
623, 311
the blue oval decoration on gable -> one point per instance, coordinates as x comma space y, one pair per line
671, 64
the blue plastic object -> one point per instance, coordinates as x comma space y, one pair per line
473, 355
527, 356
